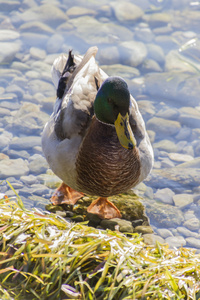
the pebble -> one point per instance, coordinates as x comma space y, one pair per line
8, 51
37, 164
13, 167
163, 127
193, 242
27, 142
178, 157
176, 241
134, 53
186, 232
164, 233
182, 200
192, 224
164, 195
128, 12
117, 224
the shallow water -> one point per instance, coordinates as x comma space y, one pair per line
155, 46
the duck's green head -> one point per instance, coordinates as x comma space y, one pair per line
111, 106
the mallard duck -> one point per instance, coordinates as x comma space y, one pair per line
95, 140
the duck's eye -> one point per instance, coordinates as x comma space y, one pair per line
109, 100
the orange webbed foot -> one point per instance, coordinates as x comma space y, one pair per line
65, 195
104, 209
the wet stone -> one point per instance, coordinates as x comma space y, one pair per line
176, 241
136, 223
27, 142
165, 196
164, 233
77, 218
13, 167
149, 239
193, 242
117, 224
163, 127
143, 229
192, 224
134, 53
127, 12
182, 200
30, 179
186, 232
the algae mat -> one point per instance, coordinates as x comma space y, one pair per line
43, 256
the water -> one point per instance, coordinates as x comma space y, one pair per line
155, 47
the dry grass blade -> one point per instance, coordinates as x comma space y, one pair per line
43, 256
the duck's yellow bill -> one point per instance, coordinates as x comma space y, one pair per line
124, 132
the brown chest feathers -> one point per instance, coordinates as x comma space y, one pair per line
104, 167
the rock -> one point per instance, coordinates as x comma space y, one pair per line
149, 65
13, 167
8, 51
176, 241
8, 6
126, 11
167, 163
37, 53
5, 139
49, 180
29, 180
36, 27
38, 85
46, 13
18, 154
189, 117
164, 233
175, 61
143, 229
192, 224
143, 33
136, 223
165, 145
162, 215
27, 142
156, 53
38, 164
133, 53
117, 224
193, 242
32, 39
157, 19
78, 218
163, 127
21, 67
195, 163
28, 120
179, 89
186, 232
165, 196
86, 28
168, 113
77, 11
149, 239
55, 43
180, 157
175, 178
109, 55
8, 35
120, 70
54, 208
184, 134
182, 200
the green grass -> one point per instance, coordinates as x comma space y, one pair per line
43, 256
